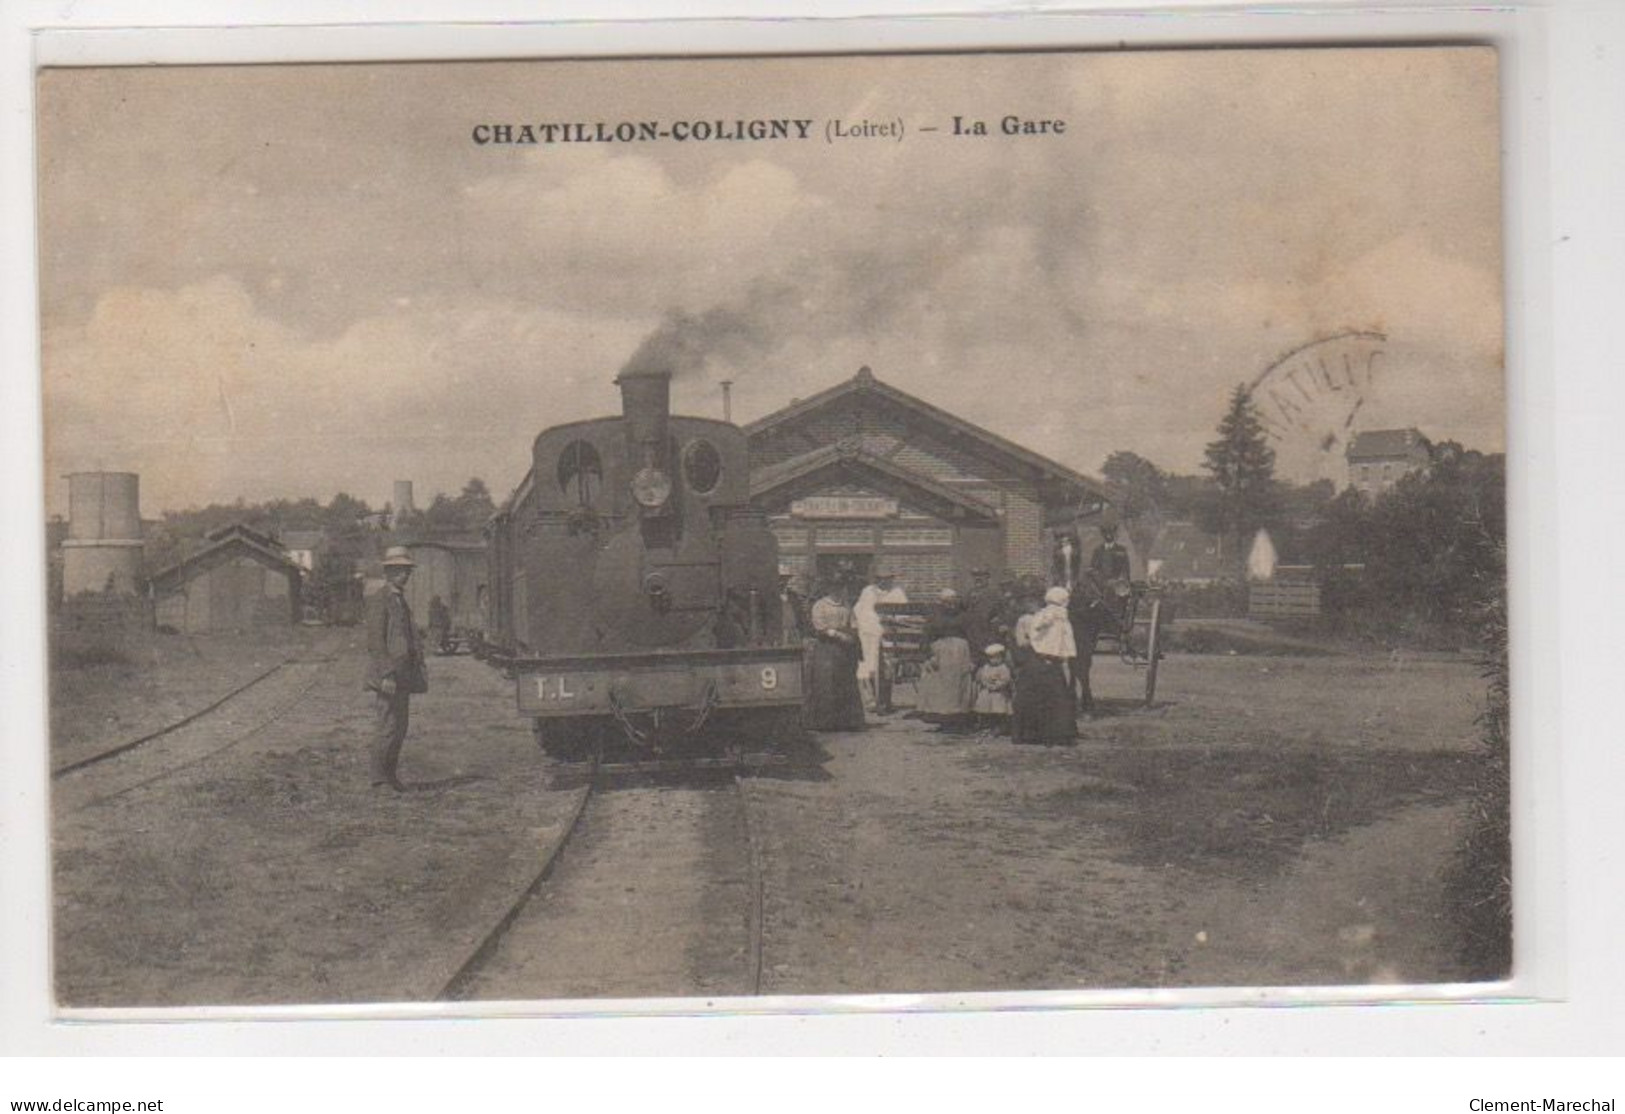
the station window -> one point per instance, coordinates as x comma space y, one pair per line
702, 467
581, 472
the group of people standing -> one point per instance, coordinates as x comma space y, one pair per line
1014, 658
842, 630
972, 680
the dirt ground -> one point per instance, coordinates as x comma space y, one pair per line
1276, 820
273, 873
155, 682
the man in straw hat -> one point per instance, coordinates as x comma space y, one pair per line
395, 665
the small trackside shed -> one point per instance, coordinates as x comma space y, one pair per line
455, 570
241, 579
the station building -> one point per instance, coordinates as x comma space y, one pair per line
864, 473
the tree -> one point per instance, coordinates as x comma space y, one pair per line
1438, 539
474, 504
463, 513
1432, 550
1242, 465
1140, 493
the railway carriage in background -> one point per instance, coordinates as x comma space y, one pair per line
634, 590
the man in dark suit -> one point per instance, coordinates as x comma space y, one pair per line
1110, 568
395, 665
981, 614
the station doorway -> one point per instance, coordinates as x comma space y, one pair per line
853, 568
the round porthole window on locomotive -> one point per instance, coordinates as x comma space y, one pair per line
581, 472
702, 467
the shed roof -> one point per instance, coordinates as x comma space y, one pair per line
226, 544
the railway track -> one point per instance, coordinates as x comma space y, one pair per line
222, 726
648, 891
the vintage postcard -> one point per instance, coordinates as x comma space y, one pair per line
775, 526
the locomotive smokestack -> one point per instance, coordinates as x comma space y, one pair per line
727, 400
646, 404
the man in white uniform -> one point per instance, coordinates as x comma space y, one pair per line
882, 588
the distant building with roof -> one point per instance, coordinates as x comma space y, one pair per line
1379, 458
1183, 553
303, 546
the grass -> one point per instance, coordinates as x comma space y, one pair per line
1246, 811
1479, 882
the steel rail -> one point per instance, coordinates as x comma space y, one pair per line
236, 740
758, 888
193, 717
458, 983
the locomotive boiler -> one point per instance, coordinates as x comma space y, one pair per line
634, 591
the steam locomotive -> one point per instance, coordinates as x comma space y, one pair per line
634, 590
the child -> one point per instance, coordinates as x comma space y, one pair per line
993, 692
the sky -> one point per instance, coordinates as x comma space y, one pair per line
279, 281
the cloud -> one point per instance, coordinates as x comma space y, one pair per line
362, 294
619, 231
209, 398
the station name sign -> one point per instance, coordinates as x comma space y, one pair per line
844, 506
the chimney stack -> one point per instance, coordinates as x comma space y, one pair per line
646, 404
401, 505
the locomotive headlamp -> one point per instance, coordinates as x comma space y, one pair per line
651, 488
658, 592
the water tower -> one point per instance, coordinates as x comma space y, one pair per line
401, 508
102, 551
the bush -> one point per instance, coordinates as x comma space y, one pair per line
1222, 599
1478, 883
1432, 551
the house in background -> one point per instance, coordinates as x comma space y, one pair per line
241, 579
1184, 554
303, 547
1379, 458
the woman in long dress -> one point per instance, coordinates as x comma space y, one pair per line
833, 703
948, 680
1045, 713
1029, 601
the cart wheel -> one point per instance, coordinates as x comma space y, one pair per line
1153, 652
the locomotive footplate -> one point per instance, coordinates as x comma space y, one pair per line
658, 682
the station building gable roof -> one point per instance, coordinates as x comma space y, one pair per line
774, 487
810, 424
